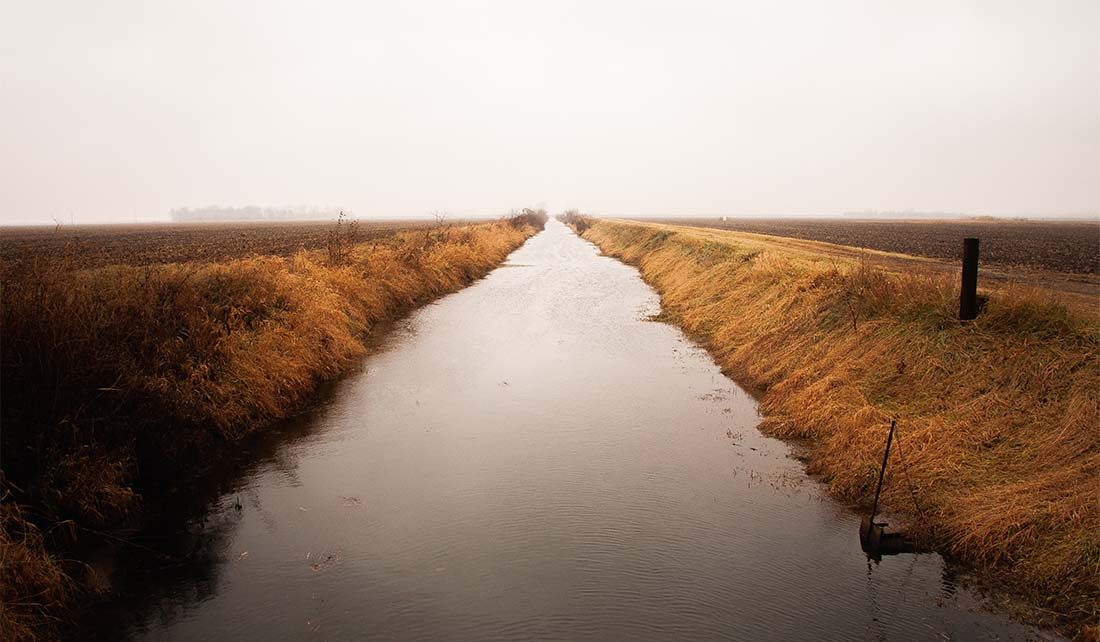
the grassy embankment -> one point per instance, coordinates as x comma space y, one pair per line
119, 380
999, 418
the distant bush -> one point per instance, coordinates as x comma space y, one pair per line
534, 218
574, 219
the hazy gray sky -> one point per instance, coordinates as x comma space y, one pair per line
122, 110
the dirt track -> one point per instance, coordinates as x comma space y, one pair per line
1058, 246
1080, 288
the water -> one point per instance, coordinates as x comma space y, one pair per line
531, 458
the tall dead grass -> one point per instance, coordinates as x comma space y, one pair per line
999, 418
116, 379
34, 587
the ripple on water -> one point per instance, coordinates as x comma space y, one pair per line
532, 458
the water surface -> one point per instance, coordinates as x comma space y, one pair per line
531, 458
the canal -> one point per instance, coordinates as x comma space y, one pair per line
531, 458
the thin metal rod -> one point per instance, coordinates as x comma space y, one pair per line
882, 471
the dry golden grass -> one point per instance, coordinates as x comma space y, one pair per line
33, 586
118, 377
999, 418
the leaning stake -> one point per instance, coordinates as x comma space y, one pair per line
872, 539
882, 471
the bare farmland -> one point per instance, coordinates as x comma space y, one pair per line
1058, 246
89, 246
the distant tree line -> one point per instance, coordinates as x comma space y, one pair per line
906, 214
254, 213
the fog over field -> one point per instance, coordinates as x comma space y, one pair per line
582, 320
125, 110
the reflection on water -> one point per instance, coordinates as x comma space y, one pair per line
530, 459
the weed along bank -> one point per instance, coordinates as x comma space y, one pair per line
531, 457
123, 383
542, 429
996, 459
822, 363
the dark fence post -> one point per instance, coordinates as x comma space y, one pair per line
968, 298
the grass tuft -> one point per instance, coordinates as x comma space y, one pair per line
999, 418
119, 379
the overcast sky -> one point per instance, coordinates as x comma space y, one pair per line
124, 110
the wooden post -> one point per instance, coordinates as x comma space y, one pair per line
968, 298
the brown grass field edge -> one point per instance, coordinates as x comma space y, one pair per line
999, 418
119, 380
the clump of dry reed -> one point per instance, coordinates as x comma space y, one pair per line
528, 217
118, 376
574, 219
34, 586
999, 418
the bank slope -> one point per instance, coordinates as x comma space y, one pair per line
998, 460
119, 381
